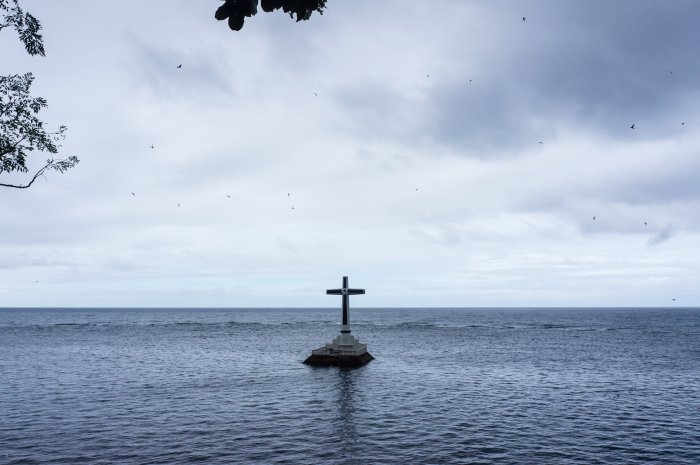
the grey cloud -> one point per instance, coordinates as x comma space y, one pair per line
440, 235
601, 66
663, 235
373, 110
386, 163
286, 244
16, 261
200, 75
673, 184
676, 181
483, 118
598, 65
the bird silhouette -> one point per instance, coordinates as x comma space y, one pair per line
133, 194
524, 18
179, 66
178, 204
288, 194
151, 146
683, 123
594, 218
673, 300
540, 142
315, 94
632, 127
645, 223
427, 75
228, 196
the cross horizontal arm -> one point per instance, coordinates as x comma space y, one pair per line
347, 291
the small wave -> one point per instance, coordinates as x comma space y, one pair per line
564, 327
415, 324
555, 326
245, 323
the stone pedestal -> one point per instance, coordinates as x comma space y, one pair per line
345, 351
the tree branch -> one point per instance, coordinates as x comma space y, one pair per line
38, 173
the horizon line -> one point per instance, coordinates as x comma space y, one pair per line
330, 308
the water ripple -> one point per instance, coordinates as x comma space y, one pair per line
447, 387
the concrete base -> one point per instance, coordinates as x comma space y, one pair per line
344, 351
326, 360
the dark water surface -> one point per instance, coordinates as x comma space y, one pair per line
486, 386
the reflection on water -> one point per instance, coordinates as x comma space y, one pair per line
340, 397
344, 424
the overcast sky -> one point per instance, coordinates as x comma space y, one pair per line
441, 153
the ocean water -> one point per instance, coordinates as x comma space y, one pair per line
448, 386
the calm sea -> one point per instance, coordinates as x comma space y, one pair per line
448, 386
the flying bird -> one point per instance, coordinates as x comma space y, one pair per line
151, 146
594, 218
671, 299
524, 18
632, 127
228, 196
288, 194
178, 204
179, 66
133, 194
683, 123
315, 94
427, 75
645, 223
540, 142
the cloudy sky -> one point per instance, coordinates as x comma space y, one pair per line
442, 153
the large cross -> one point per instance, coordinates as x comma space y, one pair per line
346, 293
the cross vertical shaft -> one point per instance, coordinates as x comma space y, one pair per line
346, 304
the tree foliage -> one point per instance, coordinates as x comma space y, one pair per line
21, 130
26, 25
237, 10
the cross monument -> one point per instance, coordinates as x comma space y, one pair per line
345, 349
